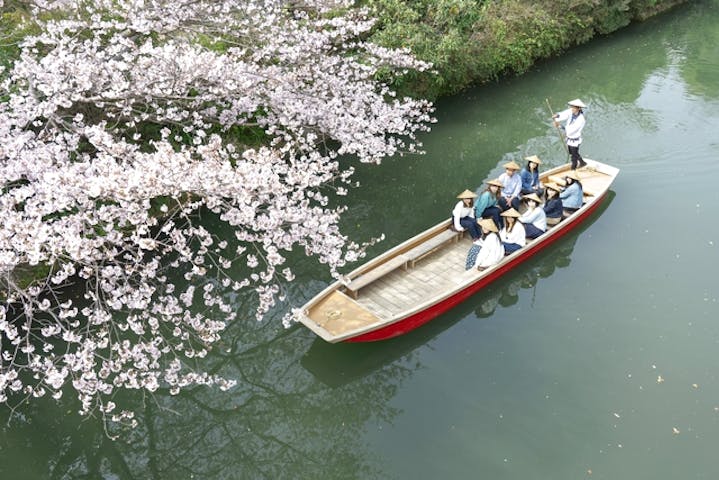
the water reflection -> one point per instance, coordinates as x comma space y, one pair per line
337, 365
278, 423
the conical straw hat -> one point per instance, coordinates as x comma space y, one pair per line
467, 194
489, 224
510, 213
532, 196
573, 175
534, 159
576, 103
512, 165
495, 182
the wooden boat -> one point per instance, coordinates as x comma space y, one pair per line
425, 276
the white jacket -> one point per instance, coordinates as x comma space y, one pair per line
491, 252
460, 211
536, 216
573, 128
517, 235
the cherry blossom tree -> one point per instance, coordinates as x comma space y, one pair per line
123, 128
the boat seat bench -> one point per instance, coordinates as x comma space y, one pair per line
410, 257
425, 248
372, 275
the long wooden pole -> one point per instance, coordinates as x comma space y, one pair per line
559, 130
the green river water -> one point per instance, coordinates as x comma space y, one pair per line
595, 359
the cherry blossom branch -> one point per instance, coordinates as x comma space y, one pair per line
120, 149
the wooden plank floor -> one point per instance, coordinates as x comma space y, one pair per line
400, 290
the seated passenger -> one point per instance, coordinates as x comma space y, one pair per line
530, 176
572, 196
511, 186
553, 207
487, 250
463, 215
513, 234
486, 204
533, 218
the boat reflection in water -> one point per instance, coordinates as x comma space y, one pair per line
339, 364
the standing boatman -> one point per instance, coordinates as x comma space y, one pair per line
574, 123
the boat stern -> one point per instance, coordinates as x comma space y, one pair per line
336, 317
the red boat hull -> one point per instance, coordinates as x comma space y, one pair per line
420, 318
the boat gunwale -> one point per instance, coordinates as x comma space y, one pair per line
466, 283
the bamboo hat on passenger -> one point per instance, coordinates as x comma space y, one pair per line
467, 194
532, 196
573, 175
533, 159
554, 187
489, 224
510, 213
576, 103
512, 166
495, 182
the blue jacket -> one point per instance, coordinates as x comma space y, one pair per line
554, 208
530, 180
572, 195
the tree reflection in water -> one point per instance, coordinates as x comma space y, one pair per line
279, 422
